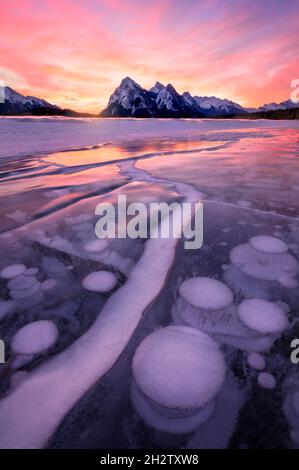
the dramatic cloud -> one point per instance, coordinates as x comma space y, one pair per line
74, 53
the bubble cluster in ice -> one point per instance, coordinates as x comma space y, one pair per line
256, 361
178, 367
100, 281
206, 293
262, 316
12, 271
266, 258
25, 289
266, 380
34, 338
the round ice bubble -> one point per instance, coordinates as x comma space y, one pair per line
12, 271
262, 316
53, 265
266, 380
48, 284
21, 282
25, 293
95, 246
268, 244
206, 293
256, 361
100, 281
34, 338
31, 272
179, 367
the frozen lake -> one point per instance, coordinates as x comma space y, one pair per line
72, 385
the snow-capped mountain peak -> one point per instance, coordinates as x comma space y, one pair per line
15, 103
156, 88
130, 99
288, 104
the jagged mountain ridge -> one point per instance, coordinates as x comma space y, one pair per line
131, 100
15, 103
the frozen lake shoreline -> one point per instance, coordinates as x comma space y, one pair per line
29, 136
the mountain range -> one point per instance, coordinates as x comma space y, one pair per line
161, 101
16, 104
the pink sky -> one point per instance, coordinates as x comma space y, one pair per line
74, 53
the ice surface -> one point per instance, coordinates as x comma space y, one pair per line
246, 173
206, 293
34, 338
179, 367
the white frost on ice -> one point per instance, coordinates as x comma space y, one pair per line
34, 338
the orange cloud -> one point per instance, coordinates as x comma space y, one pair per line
74, 53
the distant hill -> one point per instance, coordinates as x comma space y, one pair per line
292, 113
16, 104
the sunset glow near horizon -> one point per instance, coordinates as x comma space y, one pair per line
75, 53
